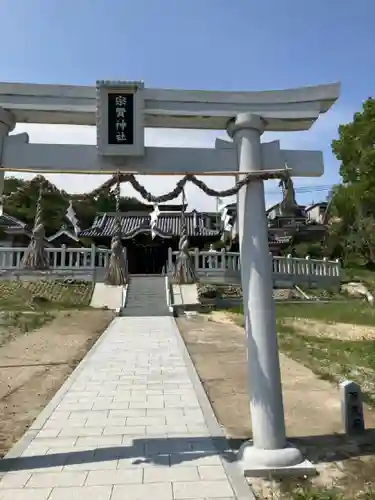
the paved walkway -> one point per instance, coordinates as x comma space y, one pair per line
131, 423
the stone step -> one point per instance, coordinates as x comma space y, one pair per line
142, 313
145, 300
147, 306
146, 297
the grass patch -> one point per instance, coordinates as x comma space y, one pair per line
14, 323
353, 312
325, 293
291, 489
332, 359
44, 294
309, 492
365, 275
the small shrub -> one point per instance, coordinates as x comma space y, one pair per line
208, 292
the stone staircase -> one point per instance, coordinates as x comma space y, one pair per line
146, 296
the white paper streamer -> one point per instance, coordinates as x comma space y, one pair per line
154, 220
71, 216
195, 221
227, 224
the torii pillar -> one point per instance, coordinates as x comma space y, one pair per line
293, 109
7, 124
268, 451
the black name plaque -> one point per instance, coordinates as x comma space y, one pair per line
120, 118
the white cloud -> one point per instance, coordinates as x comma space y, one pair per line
319, 137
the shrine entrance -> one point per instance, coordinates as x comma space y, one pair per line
146, 255
120, 110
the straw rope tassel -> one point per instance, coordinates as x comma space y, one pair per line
116, 274
184, 270
36, 257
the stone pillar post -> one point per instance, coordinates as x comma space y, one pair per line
268, 449
7, 124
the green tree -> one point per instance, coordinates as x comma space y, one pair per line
11, 184
21, 200
352, 203
355, 148
345, 239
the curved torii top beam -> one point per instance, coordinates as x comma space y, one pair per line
284, 110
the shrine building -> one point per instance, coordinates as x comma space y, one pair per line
147, 253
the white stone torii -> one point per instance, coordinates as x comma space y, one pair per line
245, 116
286, 110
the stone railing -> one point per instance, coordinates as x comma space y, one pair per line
63, 258
225, 267
211, 266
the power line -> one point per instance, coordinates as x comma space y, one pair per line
304, 189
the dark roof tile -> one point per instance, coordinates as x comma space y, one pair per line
168, 225
11, 222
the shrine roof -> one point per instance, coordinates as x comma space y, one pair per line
9, 222
63, 231
163, 207
322, 204
168, 225
12, 225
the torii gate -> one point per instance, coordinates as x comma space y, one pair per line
120, 110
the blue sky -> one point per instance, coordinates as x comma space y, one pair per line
195, 44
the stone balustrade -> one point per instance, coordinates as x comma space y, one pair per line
222, 266
211, 266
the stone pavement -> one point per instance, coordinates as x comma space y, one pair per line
107, 296
131, 423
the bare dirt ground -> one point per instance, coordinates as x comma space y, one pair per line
219, 356
33, 367
312, 405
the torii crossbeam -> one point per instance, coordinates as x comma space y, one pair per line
121, 111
